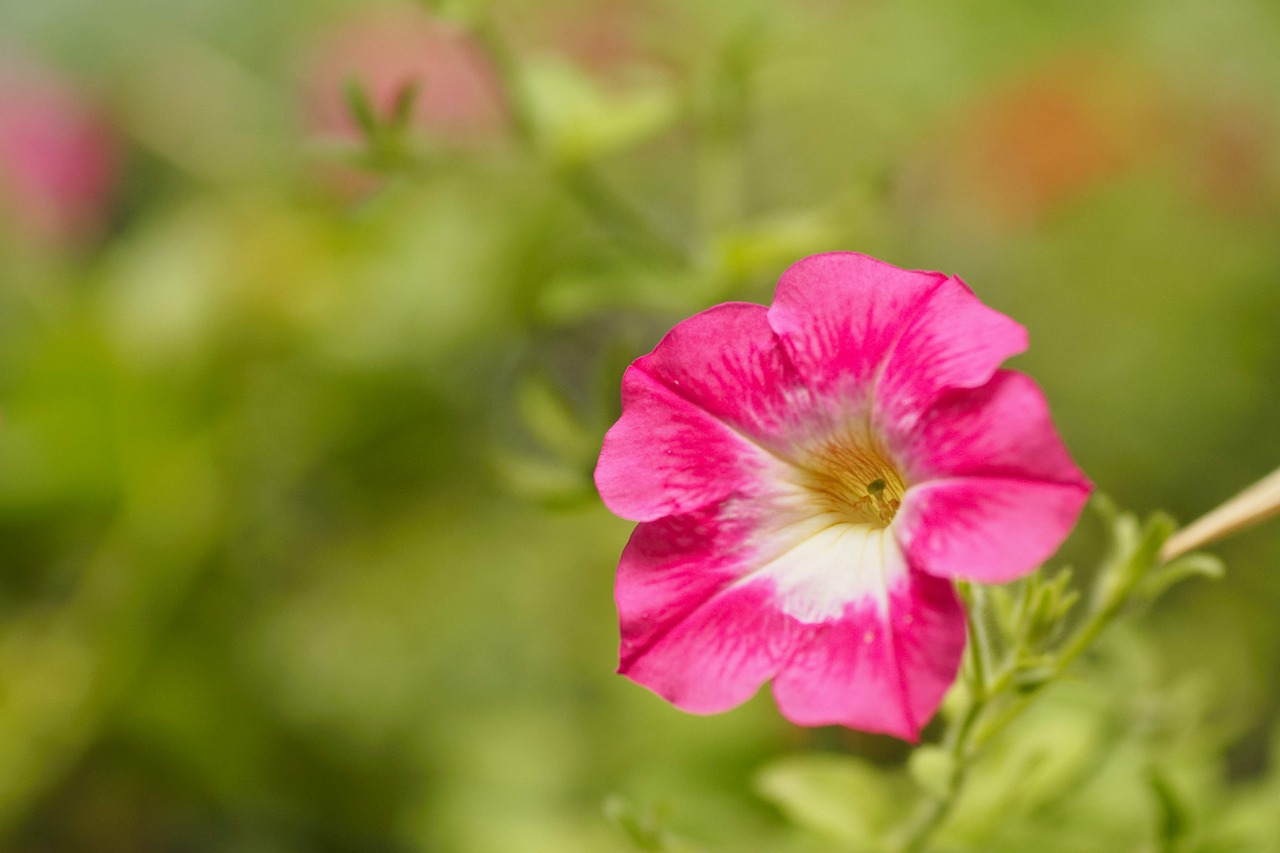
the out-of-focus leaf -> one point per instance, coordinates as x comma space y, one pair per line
361, 107
1183, 568
402, 109
576, 120
932, 767
840, 797
1122, 527
546, 414
1029, 677
1173, 816
542, 479
764, 247
646, 828
1049, 602
1035, 761
551, 456
1004, 605
1134, 549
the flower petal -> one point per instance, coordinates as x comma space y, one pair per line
953, 341
672, 566
728, 362
714, 603
717, 657
986, 529
851, 323
666, 456
878, 669
839, 315
1002, 429
688, 633
698, 414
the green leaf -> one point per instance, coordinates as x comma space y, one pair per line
1160, 579
1004, 607
549, 481
840, 797
1155, 533
1027, 679
576, 121
1036, 760
1049, 603
645, 827
402, 108
1123, 532
550, 420
1135, 549
752, 249
361, 107
1173, 816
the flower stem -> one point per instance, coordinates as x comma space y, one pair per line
934, 811
978, 645
986, 715
1252, 506
1080, 642
486, 33
958, 741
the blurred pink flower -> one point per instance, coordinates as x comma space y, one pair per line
459, 98
58, 157
809, 478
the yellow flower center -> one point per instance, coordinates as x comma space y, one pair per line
854, 478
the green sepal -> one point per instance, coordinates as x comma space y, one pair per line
1050, 601
1163, 577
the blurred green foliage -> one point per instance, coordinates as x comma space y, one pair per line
298, 543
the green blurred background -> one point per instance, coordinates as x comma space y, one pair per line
298, 543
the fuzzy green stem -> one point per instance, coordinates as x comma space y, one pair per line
979, 653
1083, 638
974, 728
959, 739
935, 810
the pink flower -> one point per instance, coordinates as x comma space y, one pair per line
58, 157
809, 479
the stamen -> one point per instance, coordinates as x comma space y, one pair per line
854, 478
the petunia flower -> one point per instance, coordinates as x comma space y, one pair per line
810, 479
